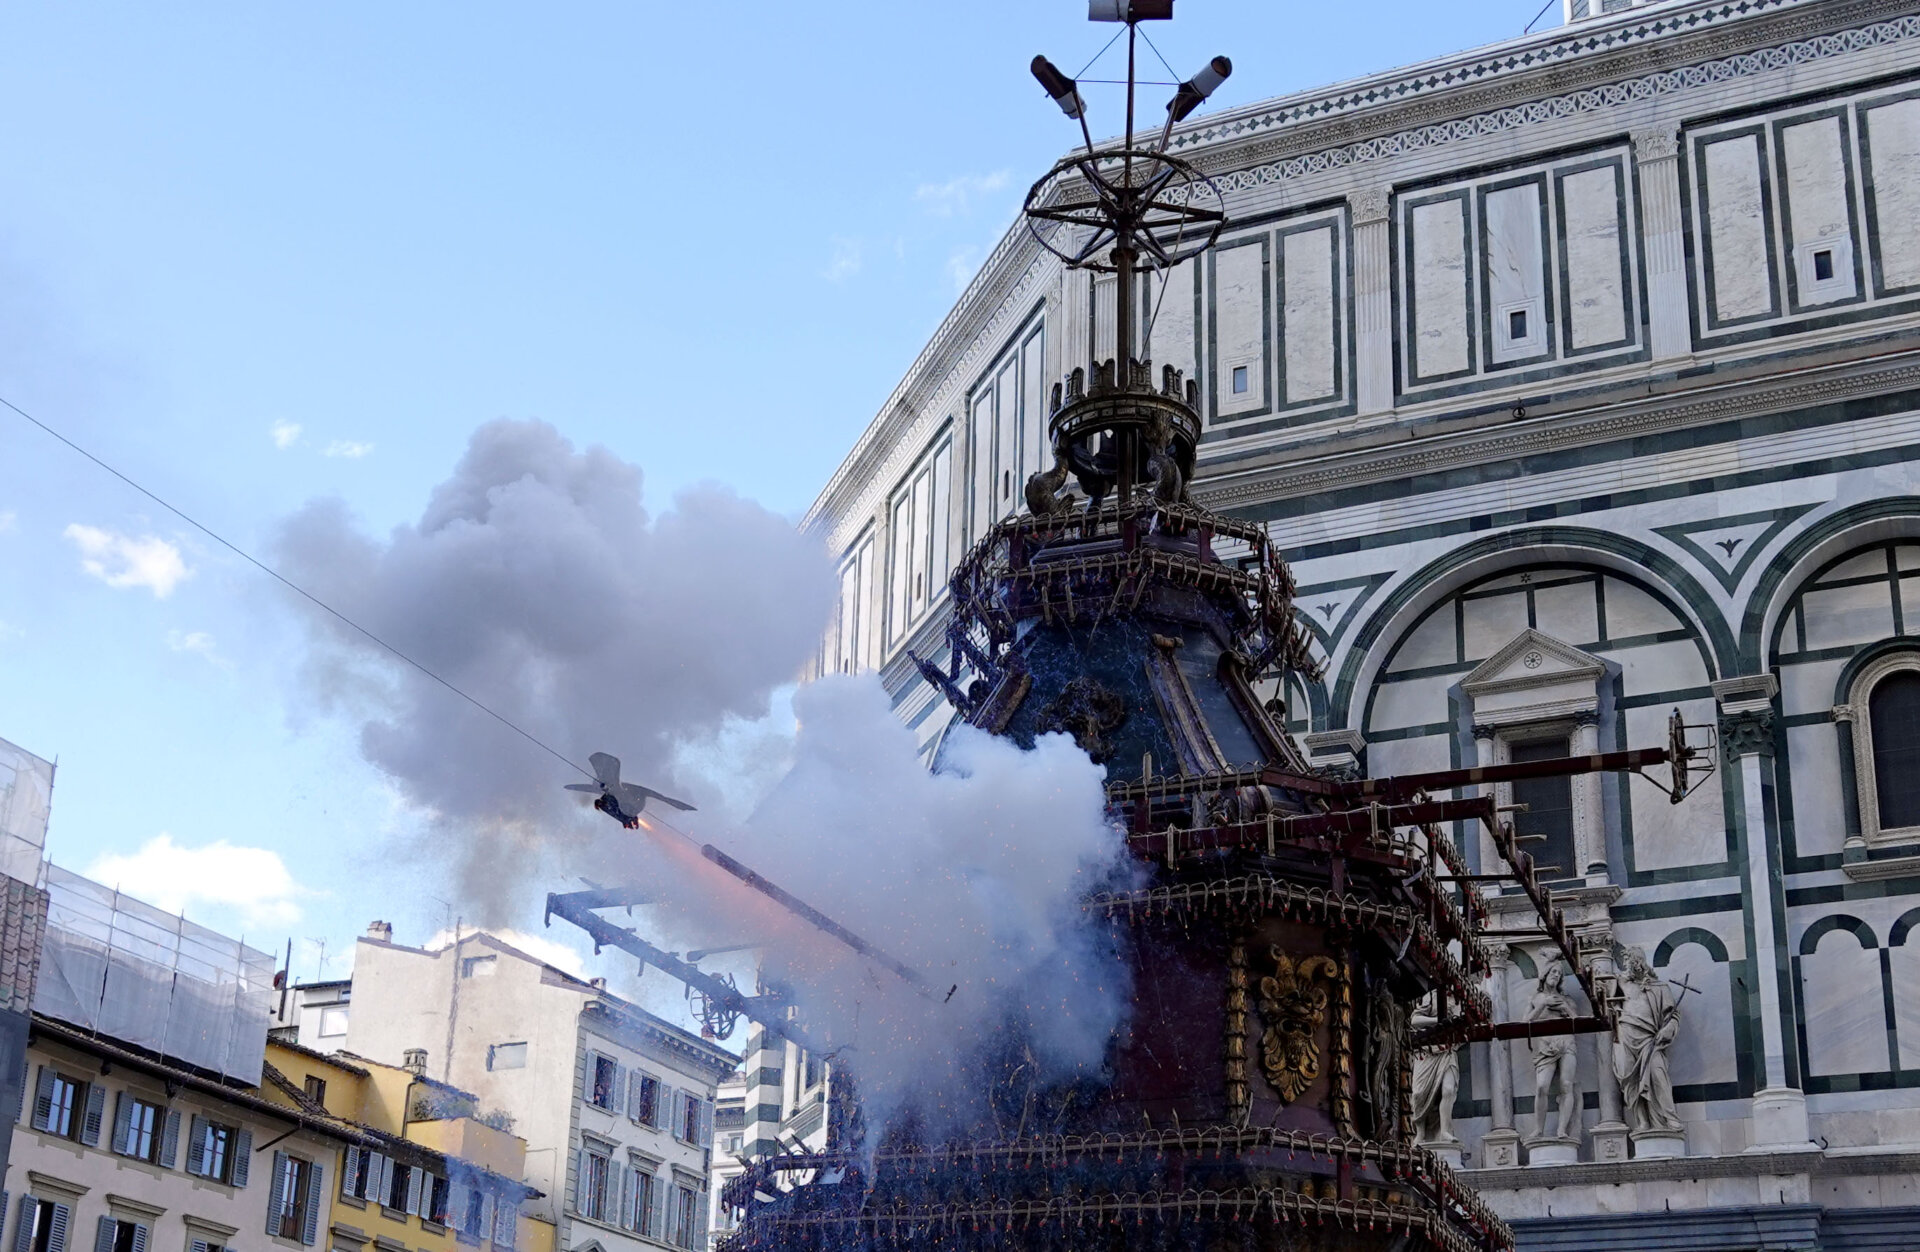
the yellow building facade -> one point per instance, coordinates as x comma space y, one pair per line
421, 1167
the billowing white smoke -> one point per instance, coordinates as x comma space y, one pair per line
536, 581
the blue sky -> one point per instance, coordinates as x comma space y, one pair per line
255, 254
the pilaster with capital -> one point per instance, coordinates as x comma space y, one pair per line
1500, 1147
1372, 298
1656, 155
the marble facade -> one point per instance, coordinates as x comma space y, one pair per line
1579, 378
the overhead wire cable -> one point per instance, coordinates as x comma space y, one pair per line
1536, 17
296, 588
1170, 70
1102, 52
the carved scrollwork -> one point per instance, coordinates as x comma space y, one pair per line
1239, 1099
1293, 1004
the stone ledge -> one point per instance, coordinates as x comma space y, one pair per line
1817, 1163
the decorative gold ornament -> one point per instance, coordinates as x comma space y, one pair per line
1293, 1003
1239, 1099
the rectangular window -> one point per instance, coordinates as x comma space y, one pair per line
289, 1218
639, 1204
316, 1089
1240, 380
507, 1056
478, 966
687, 1118
439, 1193
1547, 822
646, 1100
213, 1151
138, 1128
333, 1022
43, 1227
1517, 324
400, 1183
474, 1218
605, 1075
64, 1099
118, 1236
591, 1198
689, 1218
1823, 265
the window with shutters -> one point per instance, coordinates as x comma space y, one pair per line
604, 1074
43, 1226
687, 1118
506, 1220
688, 1223
473, 1214
138, 1128
403, 1184
60, 1105
645, 1100
214, 1151
316, 1088
120, 1236
439, 1195
293, 1213
642, 1195
207, 1245
591, 1189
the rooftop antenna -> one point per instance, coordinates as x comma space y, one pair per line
1123, 210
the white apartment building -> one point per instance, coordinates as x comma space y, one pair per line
615, 1104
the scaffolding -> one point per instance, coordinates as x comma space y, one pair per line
26, 799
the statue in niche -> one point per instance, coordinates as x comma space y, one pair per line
1553, 1057
1436, 1080
1649, 1022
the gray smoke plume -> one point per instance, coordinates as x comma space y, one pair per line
538, 582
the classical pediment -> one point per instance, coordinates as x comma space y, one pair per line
1531, 661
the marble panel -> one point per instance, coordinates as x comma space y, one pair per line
1439, 264
1892, 139
1819, 810
1172, 338
1035, 454
1739, 278
1905, 965
1569, 612
1668, 835
1590, 205
1515, 263
1859, 614
1432, 642
1417, 702
1309, 335
1409, 756
1103, 313
1239, 327
1008, 473
1491, 622
1840, 995
1819, 217
1631, 611
1704, 1049
1657, 667
1807, 686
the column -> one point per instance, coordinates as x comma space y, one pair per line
1746, 741
1500, 1149
1590, 826
1372, 299
1610, 1132
1656, 153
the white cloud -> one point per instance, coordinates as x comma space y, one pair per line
252, 882
123, 561
285, 434
845, 262
539, 947
198, 642
348, 448
961, 266
957, 195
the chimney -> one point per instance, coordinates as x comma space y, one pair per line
415, 1062
383, 931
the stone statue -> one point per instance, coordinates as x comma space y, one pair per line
1649, 1021
1553, 1057
1436, 1079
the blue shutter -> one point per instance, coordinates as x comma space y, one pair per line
415, 1176
315, 1194
197, 1145
139, 1237
277, 1193
350, 1171
122, 1123
170, 1140
96, 1114
43, 1099
617, 1098
242, 1149
103, 1233
23, 1232
57, 1228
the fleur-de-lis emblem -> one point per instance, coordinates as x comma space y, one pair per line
1293, 1004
